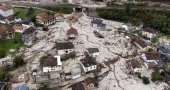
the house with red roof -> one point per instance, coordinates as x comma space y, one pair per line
59, 17
72, 33
18, 28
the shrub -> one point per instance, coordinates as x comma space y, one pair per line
155, 39
145, 80
138, 75
2, 53
156, 76
72, 55
18, 61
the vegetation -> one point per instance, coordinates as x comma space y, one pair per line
65, 10
14, 43
2, 53
4, 75
71, 55
155, 39
157, 19
156, 76
28, 13
44, 87
43, 58
18, 61
138, 75
145, 80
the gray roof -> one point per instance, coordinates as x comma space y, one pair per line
167, 46
99, 22
1, 85
128, 24
66, 45
92, 50
21, 87
88, 61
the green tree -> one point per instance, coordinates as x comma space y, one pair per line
44, 87
4, 75
18, 61
145, 80
72, 55
2, 53
156, 76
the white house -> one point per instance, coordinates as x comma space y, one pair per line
93, 52
150, 57
6, 10
149, 32
134, 66
88, 64
59, 17
52, 64
75, 73
64, 48
27, 23
127, 26
18, 28
45, 19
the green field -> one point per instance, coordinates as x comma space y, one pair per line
64, 10
14, 43
26, 13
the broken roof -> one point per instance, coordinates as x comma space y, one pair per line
29, 30
72, 31
99, 22
5, 7
92, 50
21, 87
65, 45
58, 15
128, 24
78, 86
88, 61
141, 42
152, 56
134, 63
150, 30
52, 61
26, 21
4, 28
89, 81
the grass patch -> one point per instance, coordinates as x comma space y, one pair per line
28, 13
64, 10
14, 43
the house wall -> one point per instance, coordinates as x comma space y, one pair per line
63, 52
166, 54
57, 68
18, 20
95, 54
28, 37
20, 31
6, 13
90, 68
3, 21
137, 70
149, 35
76, 75
59, 19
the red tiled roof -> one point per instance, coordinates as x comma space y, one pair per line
58, 14
4, 28
152, 56
5, 7
18, 27
72, 31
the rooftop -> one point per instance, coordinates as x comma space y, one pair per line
78, 86
51, 61
4, 28
150, 30
134, 63
54, 75
65, 45
72, 31
18, 27
29, 30
88, 61
141, 42
5, 7
92, 50
152, 56
89, 80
